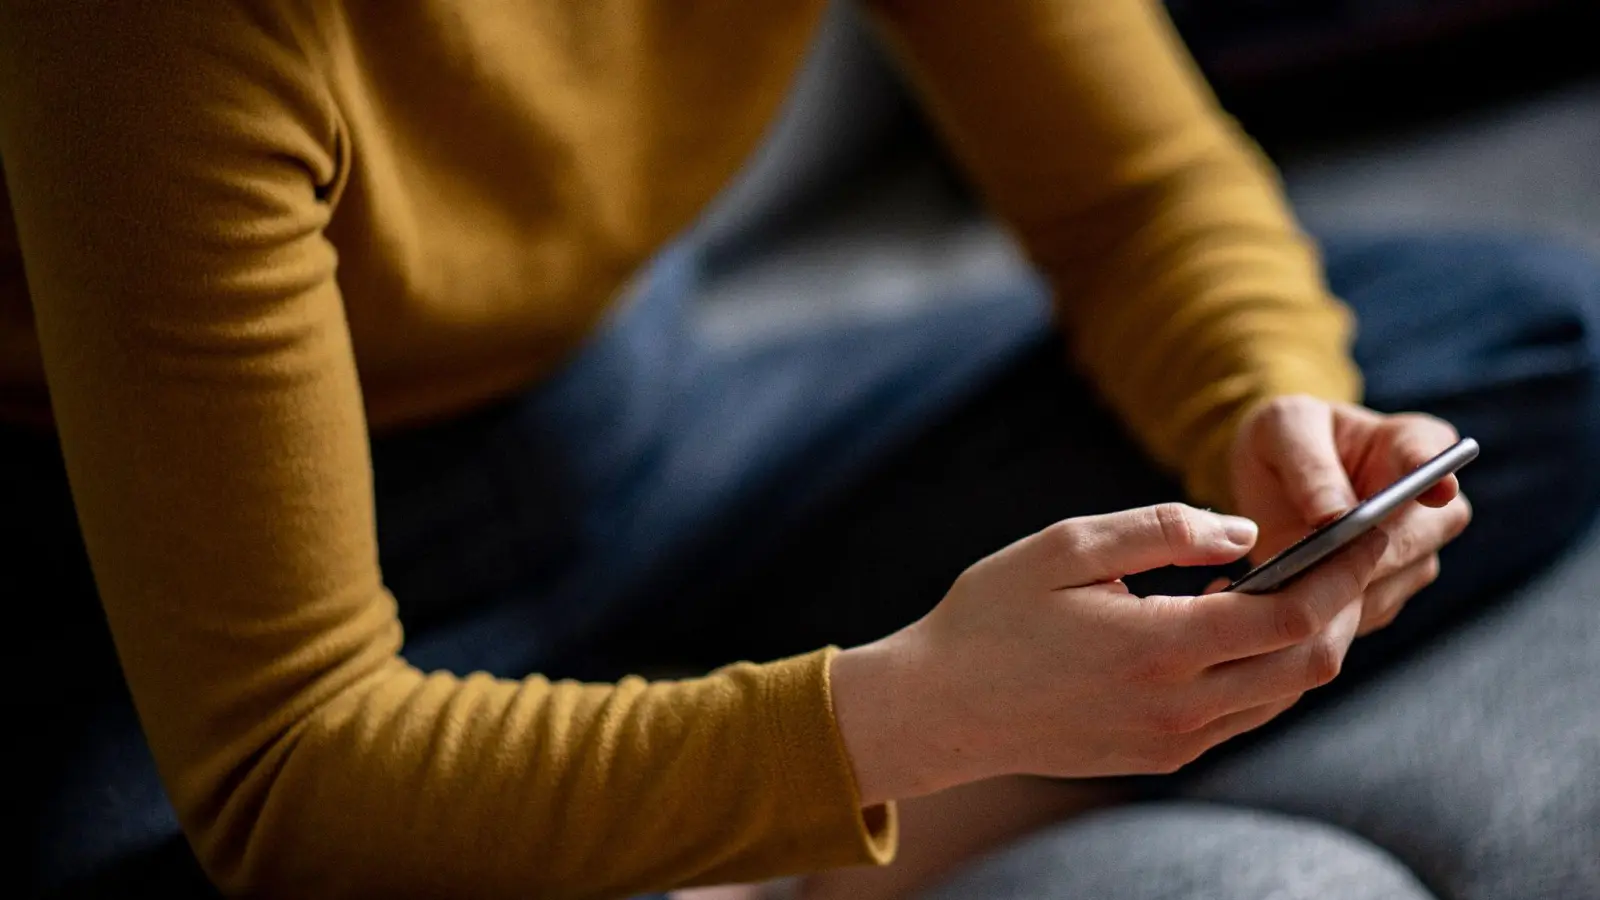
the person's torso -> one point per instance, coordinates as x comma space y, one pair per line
508, 166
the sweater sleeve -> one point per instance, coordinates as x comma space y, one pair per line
171, 173
1186, 290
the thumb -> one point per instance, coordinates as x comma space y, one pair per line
1301, 450
1095, 549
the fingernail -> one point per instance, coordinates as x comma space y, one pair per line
1240, 531
1330, 503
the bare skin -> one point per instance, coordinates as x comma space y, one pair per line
953, 752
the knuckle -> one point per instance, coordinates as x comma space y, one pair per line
1324, 659
1177, 719
1167, 758
1374, 548
1067, 538
1386, 608
963, 582
975, 577
1186, 752
1418, 434
1156, 762
1350, 579
1290, 404
1272, 411
1434, 425
1382, 614
1350, 584
1400, 544
1276, 413
1177, 525
1430, 570
1155, 669
1294, 622
1460, 513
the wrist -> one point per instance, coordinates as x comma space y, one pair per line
899, 732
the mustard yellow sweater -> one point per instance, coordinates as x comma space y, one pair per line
220, 210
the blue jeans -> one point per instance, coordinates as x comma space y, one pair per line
664, 502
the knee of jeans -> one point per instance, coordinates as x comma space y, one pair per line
1444, 317
1563, 282
1551, 288
1501, 336
1553, 273
1552, 268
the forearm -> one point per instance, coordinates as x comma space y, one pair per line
1193, 297
1186, 289
424, 784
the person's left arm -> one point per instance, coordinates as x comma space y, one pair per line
1187, 292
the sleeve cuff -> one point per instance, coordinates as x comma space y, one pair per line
816, 771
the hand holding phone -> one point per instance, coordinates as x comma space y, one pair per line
1317, 546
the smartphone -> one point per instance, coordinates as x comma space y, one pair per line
1317, 546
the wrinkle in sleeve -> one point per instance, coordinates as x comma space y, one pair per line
165, 169
1185, 288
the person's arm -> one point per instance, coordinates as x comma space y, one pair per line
1185, 288
171, 174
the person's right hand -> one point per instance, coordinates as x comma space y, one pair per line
1039, 661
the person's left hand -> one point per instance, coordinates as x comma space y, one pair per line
1298, 462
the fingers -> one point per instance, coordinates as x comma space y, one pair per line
1095, 549
1236, 697
1387, 596
1290, 672
1240, 695
1169, 750
1217, 628
1442, 492
1383, 569
1418, 532
1415, 439
1298, 442
1234, 724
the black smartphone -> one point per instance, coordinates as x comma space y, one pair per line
1317, 546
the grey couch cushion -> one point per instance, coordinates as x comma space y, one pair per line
1187, 851
1477, 763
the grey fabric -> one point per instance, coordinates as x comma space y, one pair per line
1478, 763
1186, 851
1527, 166
1475, 766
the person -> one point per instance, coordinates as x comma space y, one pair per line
315, 327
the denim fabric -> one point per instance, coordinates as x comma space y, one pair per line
755, 500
